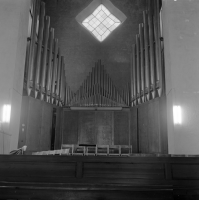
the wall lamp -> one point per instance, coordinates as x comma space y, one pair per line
6, 113
177, 114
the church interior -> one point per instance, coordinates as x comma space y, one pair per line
99, 99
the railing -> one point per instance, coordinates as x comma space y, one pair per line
147, 59
157, 172
89, 150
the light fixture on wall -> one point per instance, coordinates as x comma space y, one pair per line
96, 108
177, 114
6, 113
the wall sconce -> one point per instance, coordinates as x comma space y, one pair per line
177, 115
6, 113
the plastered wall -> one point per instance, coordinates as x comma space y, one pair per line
13, 37
181, 40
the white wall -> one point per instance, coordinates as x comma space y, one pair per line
13, 37
181, 40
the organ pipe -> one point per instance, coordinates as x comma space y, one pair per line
134, 76
43, 60
146, 47
30, 78
138, 67
96, 90
61, 78
58, 76
49, 72
161, 87
131, 68
44, 57
45, 66
39, 49
147, 78
152, 63
142, 87
54, 71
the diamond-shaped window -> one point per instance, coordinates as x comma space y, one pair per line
101, 22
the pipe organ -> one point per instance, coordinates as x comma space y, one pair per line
98, 90
141, 126
147, 74
44, 76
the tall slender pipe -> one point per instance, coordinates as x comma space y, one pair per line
134, 75
54, 71
49, 74
138, 68
58, 76
39, 49
146, 48
31, 68
152, 63
142, 62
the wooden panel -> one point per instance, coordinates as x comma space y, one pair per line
149, 122
70, 127
121, 127
46, 126
34, 125
143, 139
92, 173
58, 129
154, 126
185, 171
86, 127
163, 125
23, 121
134, 129
104, 127
113, 170
36, 171
86, 194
